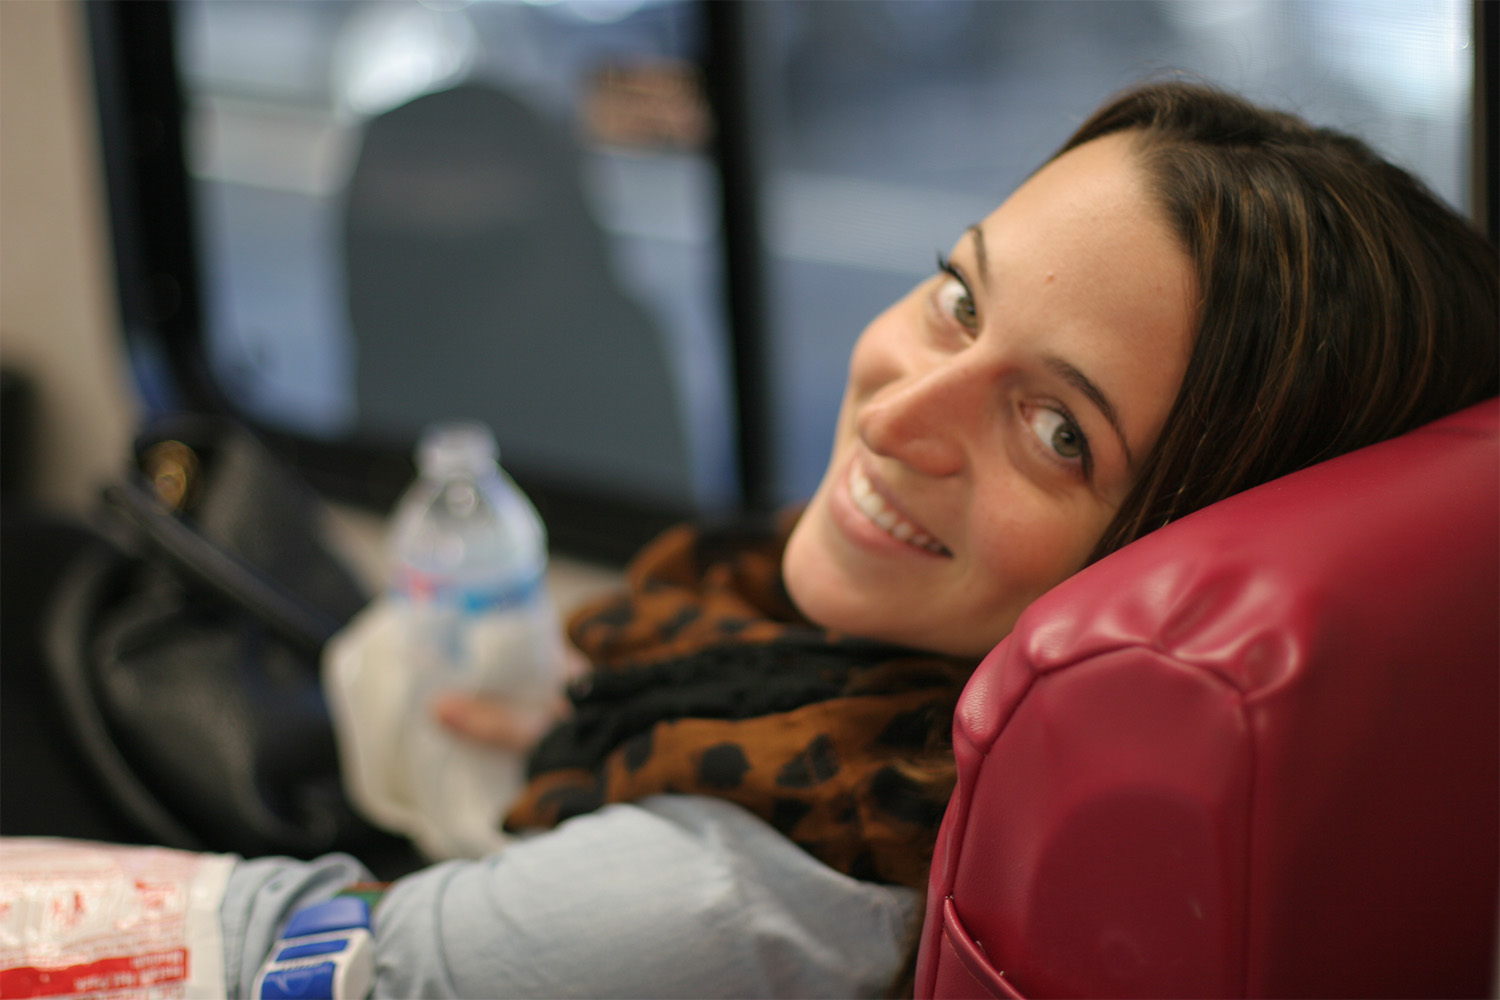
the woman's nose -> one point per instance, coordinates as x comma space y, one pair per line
919, 419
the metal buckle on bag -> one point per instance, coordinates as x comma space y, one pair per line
175, 473
325, 953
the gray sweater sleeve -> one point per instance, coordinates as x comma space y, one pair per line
672, 896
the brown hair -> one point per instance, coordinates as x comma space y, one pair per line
1340, 302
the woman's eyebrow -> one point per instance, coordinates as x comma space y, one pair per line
981, 255
1081, 382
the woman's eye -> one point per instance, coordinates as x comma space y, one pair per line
954, 298
1058, 432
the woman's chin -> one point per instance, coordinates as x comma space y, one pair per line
814, 580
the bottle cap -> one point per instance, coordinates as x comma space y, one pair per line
466, 446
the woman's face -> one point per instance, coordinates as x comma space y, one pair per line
995, 417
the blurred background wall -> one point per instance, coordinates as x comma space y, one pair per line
58, 325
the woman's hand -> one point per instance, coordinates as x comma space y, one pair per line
502, 724
495, 722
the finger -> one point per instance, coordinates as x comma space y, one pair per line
490, 722
575, 664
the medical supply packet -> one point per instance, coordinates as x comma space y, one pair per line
106, 922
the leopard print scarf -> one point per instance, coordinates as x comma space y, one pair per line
707, 681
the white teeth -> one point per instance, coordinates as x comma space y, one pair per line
875, 508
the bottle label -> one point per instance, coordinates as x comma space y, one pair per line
430, 588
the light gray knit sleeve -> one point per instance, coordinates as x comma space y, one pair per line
672, 896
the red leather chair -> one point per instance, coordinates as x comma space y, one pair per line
1254, 754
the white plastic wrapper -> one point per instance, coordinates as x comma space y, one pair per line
91, 920
400, 767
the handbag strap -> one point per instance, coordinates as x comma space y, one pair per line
218, 570
67, 638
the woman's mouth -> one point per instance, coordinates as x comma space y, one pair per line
880, 513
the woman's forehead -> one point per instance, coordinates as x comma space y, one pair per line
1091, 206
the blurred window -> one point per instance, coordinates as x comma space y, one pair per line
504, 211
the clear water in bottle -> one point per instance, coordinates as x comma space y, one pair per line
469, 561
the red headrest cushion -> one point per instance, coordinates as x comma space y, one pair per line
1254, 753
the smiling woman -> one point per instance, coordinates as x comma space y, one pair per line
988, 430
1193, 297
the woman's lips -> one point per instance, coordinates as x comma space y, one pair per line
885, 515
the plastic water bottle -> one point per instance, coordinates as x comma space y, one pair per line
468, 574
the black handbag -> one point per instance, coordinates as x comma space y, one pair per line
184, 652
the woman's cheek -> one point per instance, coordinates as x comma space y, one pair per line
1024, 549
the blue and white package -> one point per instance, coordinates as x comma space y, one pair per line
325, 953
